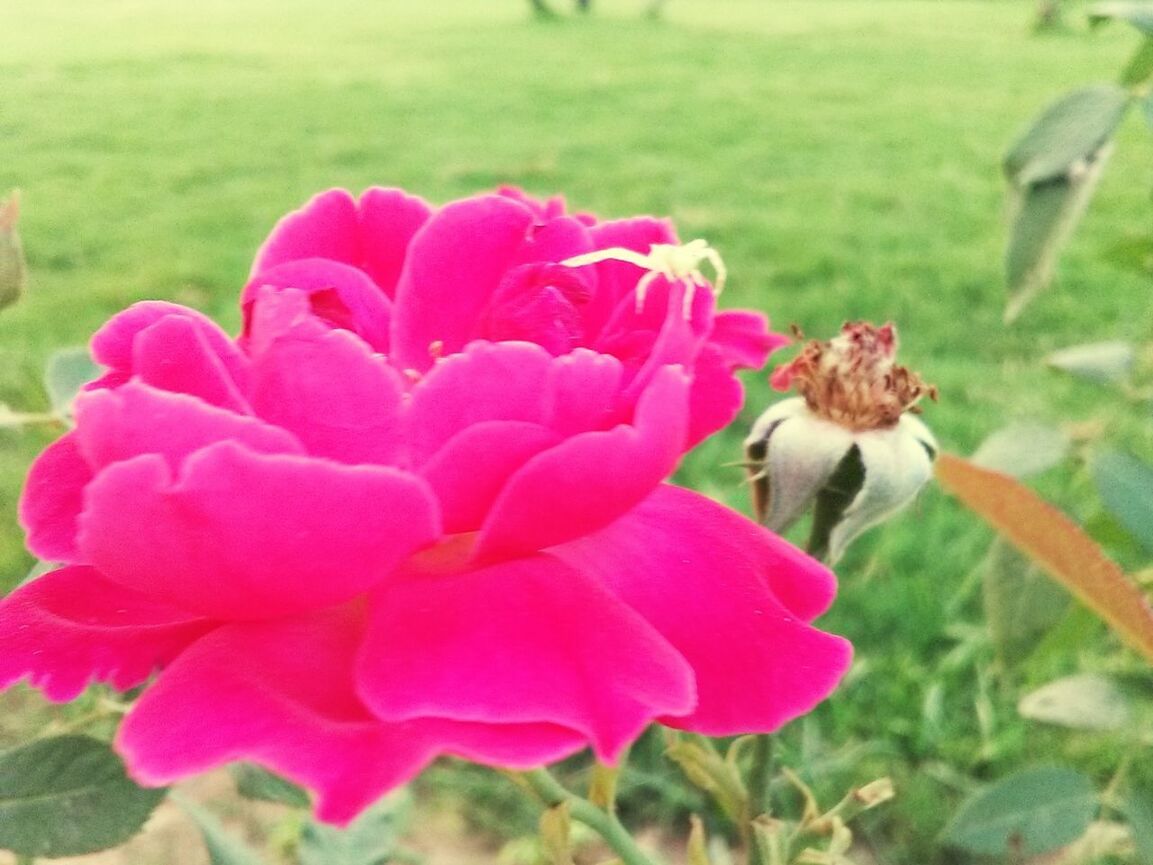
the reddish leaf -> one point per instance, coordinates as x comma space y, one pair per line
1056, 544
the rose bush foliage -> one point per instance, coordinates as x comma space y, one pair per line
416, 508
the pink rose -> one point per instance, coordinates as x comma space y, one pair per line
416, 508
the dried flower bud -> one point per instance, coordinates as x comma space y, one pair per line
847, 446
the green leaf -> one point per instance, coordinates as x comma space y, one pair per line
556, 835
256, 782
371, 839
1099, 362
1066, 134
223, 848
1053, 170
1125, 485
1140, 66
1020, 602
1139, 14
1026, 814
1022, 449
68, 795
67, 371
1087, 701
13, 267
1138, 812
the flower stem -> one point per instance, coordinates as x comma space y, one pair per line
760, 780
604, 824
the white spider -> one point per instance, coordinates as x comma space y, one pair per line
675, 263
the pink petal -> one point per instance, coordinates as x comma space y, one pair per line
71, 627
589, 480
53, 498
528, 641
174, 354
338, 293
325, 227
389, 218
114, 344
115, 425
744, 339
485, 382
242, 535
454, 265
341, 400
467, 474
280, 693
582, 391
733, 598
556, 239
716, 397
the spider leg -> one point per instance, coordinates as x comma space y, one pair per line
613, 253
643, 286
714, 259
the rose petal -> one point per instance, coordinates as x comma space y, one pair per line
280, 694
174, 355
341, 400
716, 397
454, 265
528, 640
71, 627
114, 345
327, 226
467, 474
590, 479
241, 535
389, 218
582, 391
732, 598
744, 339
338, 293
53, 498
485, 382
114, 425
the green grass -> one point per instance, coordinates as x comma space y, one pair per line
842, 154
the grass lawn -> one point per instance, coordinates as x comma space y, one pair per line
843, 155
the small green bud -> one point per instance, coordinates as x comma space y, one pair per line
13, 268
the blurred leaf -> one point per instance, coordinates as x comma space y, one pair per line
1057, 544
556, 835
697, 848
256, 782
1125, 485
1053, 170
67, 371
1022, 449
1020, 602
13, 267
371, 839
1138, 812
1101, 362
67, 795
1140, 66
1133, 252
1147, 107
1087, 701
1137, 13
223, 848
1066, 134
707, 769
1025, 814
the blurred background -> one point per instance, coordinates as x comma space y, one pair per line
842, 155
